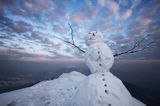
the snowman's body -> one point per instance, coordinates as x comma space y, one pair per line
99, 57
102, 88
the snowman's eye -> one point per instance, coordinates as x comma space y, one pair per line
93, 34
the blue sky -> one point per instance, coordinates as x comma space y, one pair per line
28, 27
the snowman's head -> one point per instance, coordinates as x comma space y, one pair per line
94, 37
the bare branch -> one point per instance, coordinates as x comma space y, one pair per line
135, 47
143, 48
71, 32
71, 43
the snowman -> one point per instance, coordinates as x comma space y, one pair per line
99, 57
102, 88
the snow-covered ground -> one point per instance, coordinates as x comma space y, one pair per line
58, 92
67, 90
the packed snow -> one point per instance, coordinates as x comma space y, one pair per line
101, 88
72, 89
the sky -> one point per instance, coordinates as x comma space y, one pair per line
28, 28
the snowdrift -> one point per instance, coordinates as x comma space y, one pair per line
67, 90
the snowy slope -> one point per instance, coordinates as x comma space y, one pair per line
67, 90
58, 92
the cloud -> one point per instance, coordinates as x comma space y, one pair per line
114, 8
28, 5
127, 14
1, 43
139, 26
20, 27
5, 37
17, 54
135, 3
102, 2
43, 38
7, 2
150, 10
146, 22
123, 2
36, 6
78, 17
60, 29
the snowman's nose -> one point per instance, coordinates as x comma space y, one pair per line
93, 34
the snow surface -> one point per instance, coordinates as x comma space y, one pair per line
58, 92
72, 89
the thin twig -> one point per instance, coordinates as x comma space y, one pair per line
71, 43
135, 46
71, 32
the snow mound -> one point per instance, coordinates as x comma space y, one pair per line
58, 92
71, 89
73, 76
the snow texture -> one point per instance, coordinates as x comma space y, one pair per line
101, 88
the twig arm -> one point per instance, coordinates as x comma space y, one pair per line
135, 46
71, 32
71, 43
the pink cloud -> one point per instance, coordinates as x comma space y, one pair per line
114, 8
101, 2
146, 21
127, 14
78, 17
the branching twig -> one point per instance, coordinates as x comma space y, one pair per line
71, 43
71, 33
135, 46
